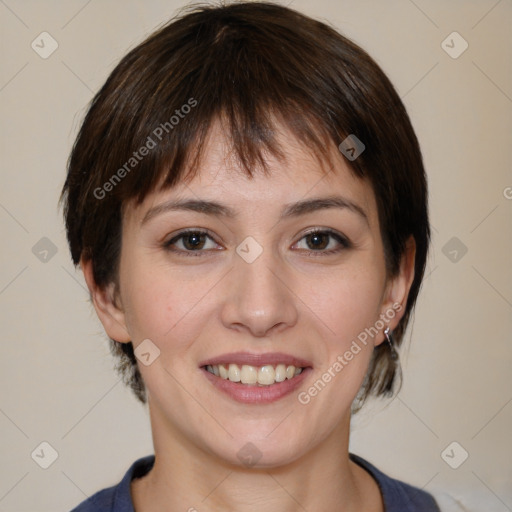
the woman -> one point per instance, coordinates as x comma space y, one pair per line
247, 201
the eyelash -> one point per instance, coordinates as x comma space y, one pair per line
343, 241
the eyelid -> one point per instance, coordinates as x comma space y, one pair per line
328, 231
342, 240
186, 231
168, 243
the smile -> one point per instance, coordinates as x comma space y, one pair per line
265, 375
256, 378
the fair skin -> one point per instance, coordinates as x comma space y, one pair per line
288, 300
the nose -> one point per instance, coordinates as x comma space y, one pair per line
259, 299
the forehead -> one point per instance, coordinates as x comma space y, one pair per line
298, 175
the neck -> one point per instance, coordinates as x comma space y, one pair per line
184, 477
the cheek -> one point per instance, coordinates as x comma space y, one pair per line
348, 302
148, 308
160, 306
347, 308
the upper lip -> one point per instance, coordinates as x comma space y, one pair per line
249, 358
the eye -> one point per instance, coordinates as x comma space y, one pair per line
191, 241
323, 241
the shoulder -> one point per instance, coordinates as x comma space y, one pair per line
117, 498
102, 501
398, 495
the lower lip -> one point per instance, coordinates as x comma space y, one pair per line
254, 394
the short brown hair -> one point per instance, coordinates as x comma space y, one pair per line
249, 64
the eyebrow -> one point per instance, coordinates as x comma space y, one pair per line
290, 210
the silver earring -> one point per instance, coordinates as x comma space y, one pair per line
391, 342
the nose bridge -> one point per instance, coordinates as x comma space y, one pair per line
258, 279
258, 299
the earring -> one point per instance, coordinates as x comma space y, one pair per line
391, 342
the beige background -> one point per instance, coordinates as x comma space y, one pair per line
56, 378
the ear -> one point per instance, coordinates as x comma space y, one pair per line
397, 289
109, 312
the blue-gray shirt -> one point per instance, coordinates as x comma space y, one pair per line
398, 496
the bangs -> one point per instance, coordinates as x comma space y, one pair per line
251, 77
250, 140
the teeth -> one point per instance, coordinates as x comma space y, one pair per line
266, 375
223, 371
280, 372
246, 374
234, 373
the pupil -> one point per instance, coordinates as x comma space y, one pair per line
194, 240
318, 237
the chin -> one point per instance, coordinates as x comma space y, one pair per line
257, 452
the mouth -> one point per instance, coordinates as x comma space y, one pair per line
265, 375
256, 378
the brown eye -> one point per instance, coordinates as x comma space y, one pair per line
191, 241
323, 242
317, 240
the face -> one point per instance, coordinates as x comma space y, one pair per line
263, 276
